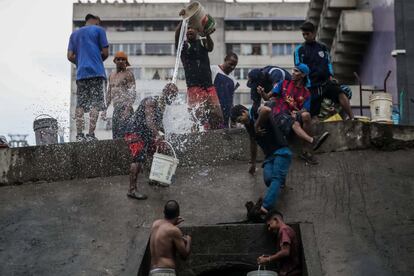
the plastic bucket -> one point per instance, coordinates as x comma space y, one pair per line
264, 272
199, 19
381, 107
163, 166
46, 130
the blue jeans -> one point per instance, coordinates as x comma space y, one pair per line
275, 169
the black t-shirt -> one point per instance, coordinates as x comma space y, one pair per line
196, 63
138, 122
272, 140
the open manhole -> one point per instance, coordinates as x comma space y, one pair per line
226, 250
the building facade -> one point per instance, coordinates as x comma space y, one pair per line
260, 33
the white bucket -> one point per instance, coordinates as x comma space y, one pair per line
163, 166
264, 272
381, 107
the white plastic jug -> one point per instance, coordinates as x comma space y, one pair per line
163, 166
381, 107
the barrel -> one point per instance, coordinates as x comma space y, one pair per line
381, 107
46, 130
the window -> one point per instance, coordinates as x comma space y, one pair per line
262, 25
131, 49
286, 25
248, 25
129, 26
137, 72
249, 49
165, 49
241, 73
283, 49
158, 73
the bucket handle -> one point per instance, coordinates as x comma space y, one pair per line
258, 270
169, 144
47, 115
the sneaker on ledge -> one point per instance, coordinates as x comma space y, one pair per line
80, 137
318, 140
91, 137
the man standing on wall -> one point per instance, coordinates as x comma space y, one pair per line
121, 91
316, 56
88, 48
204, 104
167, 240
225, 84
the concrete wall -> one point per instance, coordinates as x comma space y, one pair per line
377, 59
357, 203
111, 157
404, 20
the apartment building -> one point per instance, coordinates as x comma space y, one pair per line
260, 33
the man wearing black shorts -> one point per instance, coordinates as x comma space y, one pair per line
316, 56
88, 48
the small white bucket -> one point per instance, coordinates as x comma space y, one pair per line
381, 107
163, 166
264, 272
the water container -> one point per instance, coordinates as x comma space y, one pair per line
381, 107
199, 19
395, 115
46, 130
163, 166
260, 272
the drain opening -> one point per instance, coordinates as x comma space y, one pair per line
226, 250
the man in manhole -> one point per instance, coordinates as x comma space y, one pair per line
288, 255
166, 240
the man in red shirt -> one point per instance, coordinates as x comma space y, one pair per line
289, 253
290, 103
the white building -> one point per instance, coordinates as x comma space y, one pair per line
260, 33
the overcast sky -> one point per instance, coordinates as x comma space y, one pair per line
34, 72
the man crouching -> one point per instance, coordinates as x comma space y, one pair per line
166, 240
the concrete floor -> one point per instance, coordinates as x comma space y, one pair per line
360, 204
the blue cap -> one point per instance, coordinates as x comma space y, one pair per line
303, 68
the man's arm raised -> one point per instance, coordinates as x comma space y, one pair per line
181, 243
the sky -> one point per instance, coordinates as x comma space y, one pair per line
34, 71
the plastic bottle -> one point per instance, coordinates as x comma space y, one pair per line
395, 115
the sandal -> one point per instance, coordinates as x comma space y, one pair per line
136, 195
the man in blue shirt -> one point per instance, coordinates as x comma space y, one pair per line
88, 48
316, 56
225, 84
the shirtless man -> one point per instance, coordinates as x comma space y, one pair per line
121, 91
166, 240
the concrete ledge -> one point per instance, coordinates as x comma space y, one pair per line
109, 157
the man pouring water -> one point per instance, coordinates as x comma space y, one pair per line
203, 102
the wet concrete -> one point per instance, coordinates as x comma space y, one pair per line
358, 204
